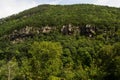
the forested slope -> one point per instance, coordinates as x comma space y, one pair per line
61, 42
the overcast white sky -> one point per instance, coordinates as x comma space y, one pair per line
9, 7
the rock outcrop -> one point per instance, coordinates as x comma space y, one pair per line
88, 30
22, 33
29, 32
67, 30
46, 29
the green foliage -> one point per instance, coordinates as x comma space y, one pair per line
45, 59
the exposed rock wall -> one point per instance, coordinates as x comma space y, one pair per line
29, 32
88, 30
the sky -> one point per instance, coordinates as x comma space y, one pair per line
9, 7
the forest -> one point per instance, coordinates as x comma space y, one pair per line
61, 42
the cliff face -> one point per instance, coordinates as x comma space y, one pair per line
29, 32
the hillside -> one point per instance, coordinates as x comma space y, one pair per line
56, 15
61, 42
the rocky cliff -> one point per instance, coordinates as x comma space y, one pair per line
29, 32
